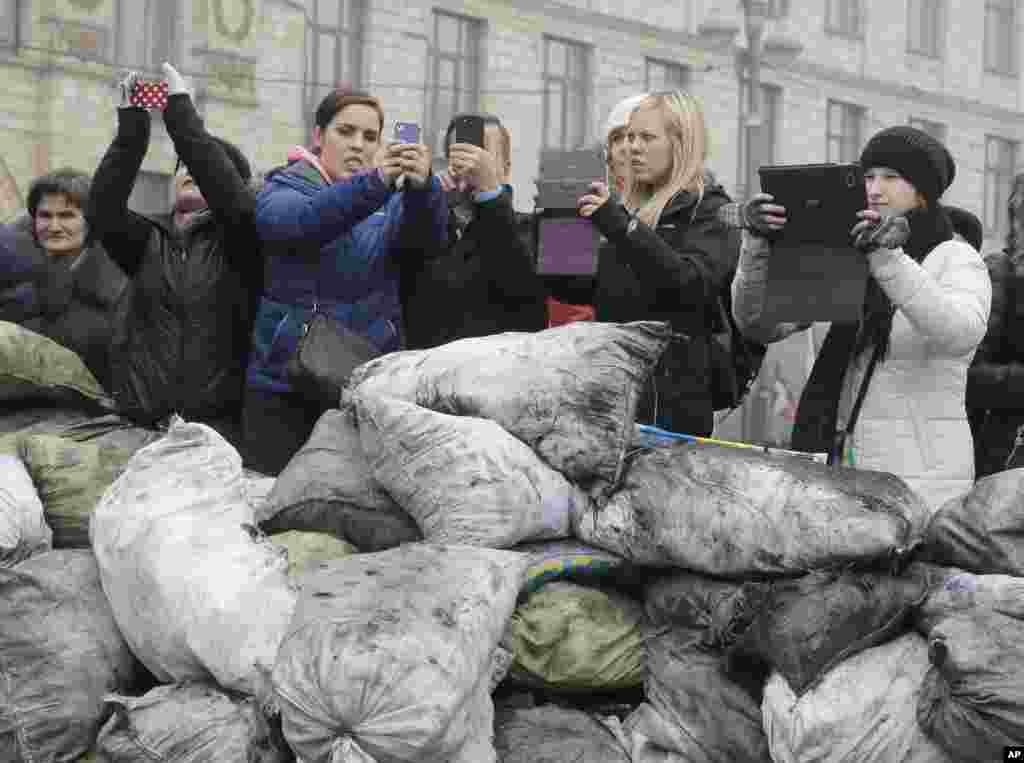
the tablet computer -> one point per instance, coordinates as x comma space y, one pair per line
821, 201
566, 246
565, 176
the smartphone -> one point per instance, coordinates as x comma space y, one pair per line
469, 129
407, 132
149, 94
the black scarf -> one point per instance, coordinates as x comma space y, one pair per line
815, 427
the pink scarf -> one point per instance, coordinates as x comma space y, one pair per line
302, 153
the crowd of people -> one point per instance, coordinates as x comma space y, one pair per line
200, 313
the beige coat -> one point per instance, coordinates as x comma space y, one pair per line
913, 423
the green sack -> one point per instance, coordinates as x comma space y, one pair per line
308, 548
568, 636
33, 366
70, 478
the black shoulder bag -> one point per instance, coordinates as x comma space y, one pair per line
325, 357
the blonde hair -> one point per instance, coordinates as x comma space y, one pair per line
684, 127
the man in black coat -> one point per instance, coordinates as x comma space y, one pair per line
483, 281
196, 277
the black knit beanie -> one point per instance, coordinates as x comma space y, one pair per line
916, 155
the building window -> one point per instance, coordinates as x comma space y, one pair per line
9, 23
778, 9
151, 194
1000, 165
158, 40
845, 18
1001, 36
334, 48
565, 94
762, 139
662, 76
926, 27
935, 129
845, 126
454, 72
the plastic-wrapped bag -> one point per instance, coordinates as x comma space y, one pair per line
60, 654
390, 655
553, 734
696, 709
194, 591
983, 530
951, 590
463, 480
735, 512
570, 393
189, 723
568, 636
863, 711
306, 549
972, 698
328, 486
34, 367
23, 530
807, 626
71, 478
717, 609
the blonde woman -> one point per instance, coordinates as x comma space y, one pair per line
667, 254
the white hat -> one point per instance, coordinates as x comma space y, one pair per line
620, 114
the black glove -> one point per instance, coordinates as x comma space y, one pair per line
760, 214
887, 233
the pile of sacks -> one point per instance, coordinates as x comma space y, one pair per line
475, 558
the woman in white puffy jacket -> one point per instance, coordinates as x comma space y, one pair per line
925, 313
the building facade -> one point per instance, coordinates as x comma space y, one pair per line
833, 72
552, 70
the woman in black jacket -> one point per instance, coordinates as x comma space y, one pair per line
56, 280
995, 381
196, 276
668, 255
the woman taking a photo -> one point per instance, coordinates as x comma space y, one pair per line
332, 222
667, 255
925, 312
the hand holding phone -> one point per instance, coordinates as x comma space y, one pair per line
149, 94
407, 133
470, 129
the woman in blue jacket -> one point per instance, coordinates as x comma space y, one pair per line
332, 222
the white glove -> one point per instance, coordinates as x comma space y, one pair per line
124, 88
175, 82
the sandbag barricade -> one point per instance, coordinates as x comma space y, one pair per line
196, 593
328, 487
60, 654
389, 655
570, 393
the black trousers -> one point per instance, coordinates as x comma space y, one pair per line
274, 428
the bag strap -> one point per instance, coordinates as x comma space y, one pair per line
841, 434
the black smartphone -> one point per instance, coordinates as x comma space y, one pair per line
469, 129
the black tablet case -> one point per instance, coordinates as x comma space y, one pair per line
814, 273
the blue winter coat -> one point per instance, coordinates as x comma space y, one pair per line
334, 247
